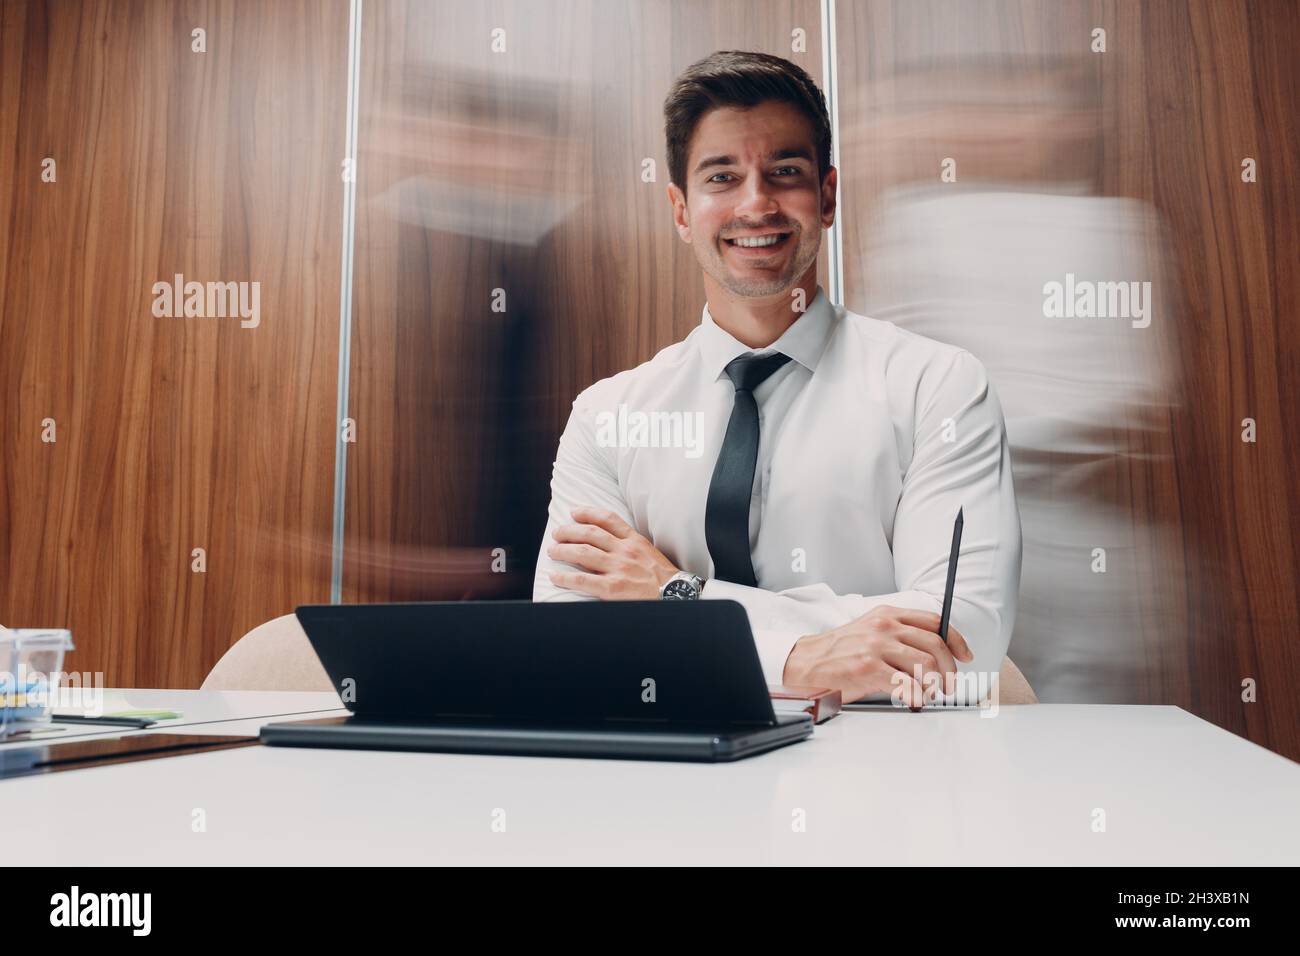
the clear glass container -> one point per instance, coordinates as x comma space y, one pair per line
31, 665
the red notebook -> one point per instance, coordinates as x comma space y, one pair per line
823, 704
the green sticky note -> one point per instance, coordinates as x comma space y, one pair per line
146, 714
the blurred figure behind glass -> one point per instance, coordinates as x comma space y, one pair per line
1086, 399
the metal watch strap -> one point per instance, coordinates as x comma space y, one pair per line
695, 581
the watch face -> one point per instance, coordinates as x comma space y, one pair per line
680, 591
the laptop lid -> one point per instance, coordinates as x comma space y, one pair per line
579, 663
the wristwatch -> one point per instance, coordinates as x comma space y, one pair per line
682, 586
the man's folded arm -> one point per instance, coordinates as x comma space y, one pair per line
582, 476
960, 460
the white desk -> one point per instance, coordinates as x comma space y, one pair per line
876, 787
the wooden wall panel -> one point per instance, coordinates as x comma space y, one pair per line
172, 433
1186, 90
518, 171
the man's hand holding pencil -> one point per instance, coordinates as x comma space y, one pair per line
899, 651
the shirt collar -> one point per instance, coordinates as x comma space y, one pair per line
804, 341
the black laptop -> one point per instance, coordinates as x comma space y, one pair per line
657, 680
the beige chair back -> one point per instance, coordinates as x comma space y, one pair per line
272, 656
1012, 686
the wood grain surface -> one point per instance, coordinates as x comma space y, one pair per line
172, 433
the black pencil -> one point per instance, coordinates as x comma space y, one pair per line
952, 576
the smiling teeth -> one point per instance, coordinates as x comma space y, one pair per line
758, 241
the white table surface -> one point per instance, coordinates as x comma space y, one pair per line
877, 787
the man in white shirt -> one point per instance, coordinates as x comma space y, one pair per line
789, 455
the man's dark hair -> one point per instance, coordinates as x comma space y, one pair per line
734, 78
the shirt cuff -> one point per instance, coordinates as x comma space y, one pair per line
774, 648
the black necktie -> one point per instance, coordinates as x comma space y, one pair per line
726, 514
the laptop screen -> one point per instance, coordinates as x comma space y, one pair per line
574, 663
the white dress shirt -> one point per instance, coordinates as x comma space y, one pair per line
870, 441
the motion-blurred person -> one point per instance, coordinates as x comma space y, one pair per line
989, 233
466, 177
